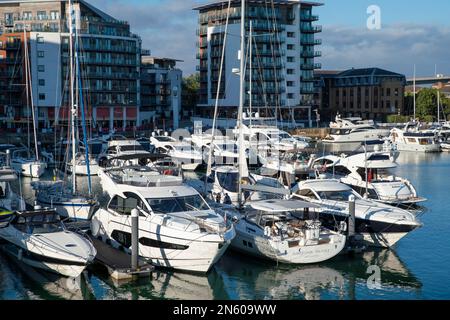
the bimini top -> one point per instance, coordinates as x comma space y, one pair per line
324, 185
278, 205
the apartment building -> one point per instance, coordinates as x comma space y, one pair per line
370, 93
282, 62
109, 57
161, 92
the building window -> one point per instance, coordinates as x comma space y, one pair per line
388, 92
42, 15
290, 71
27, 15
54, 15
290, 59
290, 96
40, 54
41, 96
41, 82
290, 47
40, 39
291, 34
290, 83
41, 68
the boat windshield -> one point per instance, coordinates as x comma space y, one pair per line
335, 195
39, 223
229, 181
178, 204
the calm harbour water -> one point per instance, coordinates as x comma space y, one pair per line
416, 269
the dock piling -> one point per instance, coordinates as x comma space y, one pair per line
134, 239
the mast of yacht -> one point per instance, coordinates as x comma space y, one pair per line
243, 171
72, 97
26, 88
414, 96
29, 90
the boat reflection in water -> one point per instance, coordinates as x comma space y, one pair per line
343, 278
163, 284
38, 284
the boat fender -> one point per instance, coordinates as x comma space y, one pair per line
95, 227
168, 172
267, 231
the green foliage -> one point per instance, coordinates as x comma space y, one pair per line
395, 118
426, 104
190, 87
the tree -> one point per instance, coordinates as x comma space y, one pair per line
426, 104
190, 88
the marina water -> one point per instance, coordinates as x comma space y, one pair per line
415, 269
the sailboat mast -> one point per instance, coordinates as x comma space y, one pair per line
26, 88
241, 103
414, 92
251, 71
72, 97
30, 89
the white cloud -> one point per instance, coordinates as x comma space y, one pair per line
167, 28
395, 47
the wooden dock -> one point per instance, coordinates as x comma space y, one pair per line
118, 262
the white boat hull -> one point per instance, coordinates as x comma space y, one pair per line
170, 248
271, 250
417, 147
29, 169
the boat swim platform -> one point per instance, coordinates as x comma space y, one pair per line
118, 262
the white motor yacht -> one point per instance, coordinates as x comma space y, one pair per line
381, 225
25, 165
354, 131
371, 174
123, 148
177, 228
411, 138
39, 239
225, 150
181, 153
285, 231
81, 168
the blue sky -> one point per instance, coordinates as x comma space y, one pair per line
412, 32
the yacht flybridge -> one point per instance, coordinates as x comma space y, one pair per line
178, 229
411, 138
371, 175
381, 225
39, 239
285, 231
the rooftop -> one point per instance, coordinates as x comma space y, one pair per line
276, 2
368, 72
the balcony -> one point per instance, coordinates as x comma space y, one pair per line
309, 17
202, 44
311, 66
306, 90
311, 54
310, 29
311, 42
